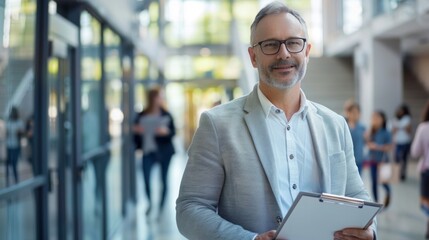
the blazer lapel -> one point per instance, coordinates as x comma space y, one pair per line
255, 121
317, 129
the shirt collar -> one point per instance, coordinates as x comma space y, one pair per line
267, 106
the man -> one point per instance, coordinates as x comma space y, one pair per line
250, 158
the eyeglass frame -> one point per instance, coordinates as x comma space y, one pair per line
281, 42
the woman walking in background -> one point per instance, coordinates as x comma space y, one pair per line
379, 144
401, 131
420, 149
156, 127
14, 131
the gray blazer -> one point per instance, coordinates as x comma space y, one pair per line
227, 190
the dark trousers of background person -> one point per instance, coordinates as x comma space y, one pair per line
12, 161
374, 177
149, 160
401, 157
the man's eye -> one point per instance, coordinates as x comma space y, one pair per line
270, 44
293, 43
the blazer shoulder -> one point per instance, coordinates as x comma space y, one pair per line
232, 108
326, 113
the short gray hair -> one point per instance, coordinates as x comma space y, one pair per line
275, 8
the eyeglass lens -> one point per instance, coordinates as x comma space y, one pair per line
273, 46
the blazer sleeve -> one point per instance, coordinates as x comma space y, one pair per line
201, 187
354, 187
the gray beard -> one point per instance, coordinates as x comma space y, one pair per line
284, 85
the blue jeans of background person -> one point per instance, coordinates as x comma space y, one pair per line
149, 160
374, 177
12, 160
401, 156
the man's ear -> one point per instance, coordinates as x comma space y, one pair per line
307, 51
252, 56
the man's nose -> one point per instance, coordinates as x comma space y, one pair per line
283, 52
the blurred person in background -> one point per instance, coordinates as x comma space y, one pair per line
420, 149
401, 131
156, 127
14, 131
357, 130
379, 142
29, 128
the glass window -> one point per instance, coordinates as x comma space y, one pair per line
91, 104
141, 67
139, 97
113, 100
211, 67
209, 25
243, 18
18, 218
17, 37
352, 15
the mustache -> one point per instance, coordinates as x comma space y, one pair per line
282, 63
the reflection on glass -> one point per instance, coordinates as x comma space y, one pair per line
17, 26
91, 89
92, 122
113, 100
141, 66
92, 201
139, 97
18, 217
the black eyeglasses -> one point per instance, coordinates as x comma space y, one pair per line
271, 47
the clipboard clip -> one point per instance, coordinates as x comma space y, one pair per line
329, 198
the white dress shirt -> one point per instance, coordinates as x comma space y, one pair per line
294, 155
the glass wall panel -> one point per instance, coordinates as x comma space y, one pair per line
139, 97
352, 15
113, 100
91, 87
18, 218
209, 25
92, 199
141, 68
189, 67
385, 6
241, 10
17, 37
92, 119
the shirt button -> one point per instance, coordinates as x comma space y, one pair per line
278, 111
288, 127
278, 219
291, 156
294, 186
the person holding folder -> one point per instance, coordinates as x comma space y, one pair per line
250, 158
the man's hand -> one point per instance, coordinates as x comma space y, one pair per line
266, 236
354, 234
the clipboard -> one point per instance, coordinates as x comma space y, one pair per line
319, 216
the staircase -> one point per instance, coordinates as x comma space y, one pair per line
415, 94
329, 81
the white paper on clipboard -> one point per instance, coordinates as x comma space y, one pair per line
318, 216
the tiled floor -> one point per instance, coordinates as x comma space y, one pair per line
403, 220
